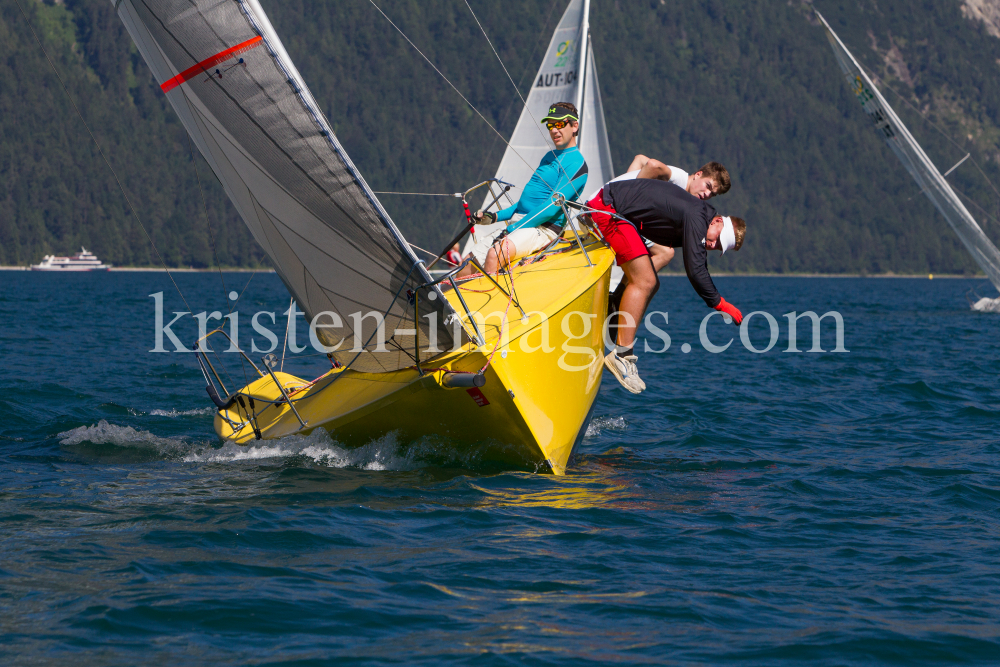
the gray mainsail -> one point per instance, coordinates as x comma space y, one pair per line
920, 167
235, 89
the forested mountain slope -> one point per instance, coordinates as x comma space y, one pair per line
750, 83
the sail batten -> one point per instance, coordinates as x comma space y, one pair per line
240, 97
915, 160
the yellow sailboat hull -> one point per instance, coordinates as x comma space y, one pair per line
540, 385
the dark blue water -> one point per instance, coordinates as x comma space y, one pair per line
758, 509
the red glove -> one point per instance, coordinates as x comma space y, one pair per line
731, 310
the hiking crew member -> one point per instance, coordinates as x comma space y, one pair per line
535, 220
709, 181
665, 214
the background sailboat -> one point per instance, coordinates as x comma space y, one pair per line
920, 167
569, 53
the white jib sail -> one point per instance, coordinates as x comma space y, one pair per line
558, 81
240, 97
916, 161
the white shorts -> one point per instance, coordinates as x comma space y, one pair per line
483, 243
527, 241
480, 243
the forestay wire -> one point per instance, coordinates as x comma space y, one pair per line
535, 123
448, 81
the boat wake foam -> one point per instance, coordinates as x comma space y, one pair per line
987, 305
381, 454
599, 425
319, 448
103, 433
182, 413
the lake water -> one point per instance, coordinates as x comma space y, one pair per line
753, 509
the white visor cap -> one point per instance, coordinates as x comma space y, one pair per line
728, 236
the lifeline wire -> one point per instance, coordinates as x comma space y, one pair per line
421, 194
416, 247
101, 151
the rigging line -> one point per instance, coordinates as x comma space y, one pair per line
231, 308
448, 81
243, 290
218, 360
431, 254
208, 221
422, 194
284, 346
943, 134
971, 201
527, 68
101, 151
516, 90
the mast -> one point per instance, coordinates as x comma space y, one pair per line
581, 68
563, 75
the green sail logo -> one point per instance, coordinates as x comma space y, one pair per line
562, 53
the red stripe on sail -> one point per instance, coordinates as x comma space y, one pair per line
208, 63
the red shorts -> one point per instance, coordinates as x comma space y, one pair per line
622, 236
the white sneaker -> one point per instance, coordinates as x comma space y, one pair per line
625, 371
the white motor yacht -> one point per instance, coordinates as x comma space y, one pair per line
81, 261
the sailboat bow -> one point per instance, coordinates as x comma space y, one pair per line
441, 370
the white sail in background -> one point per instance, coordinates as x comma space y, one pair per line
593, 131
558, 81
235, 89
916, 161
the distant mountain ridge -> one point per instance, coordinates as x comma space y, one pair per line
749, 83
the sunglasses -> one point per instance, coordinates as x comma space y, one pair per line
556, 124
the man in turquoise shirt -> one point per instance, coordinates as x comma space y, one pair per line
562, 170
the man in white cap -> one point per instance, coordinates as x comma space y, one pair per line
710, 181
628, 211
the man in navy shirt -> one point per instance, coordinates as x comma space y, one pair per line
668, 215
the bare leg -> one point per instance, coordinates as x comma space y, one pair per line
661, 256
468, 270
642, 285
495, 262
